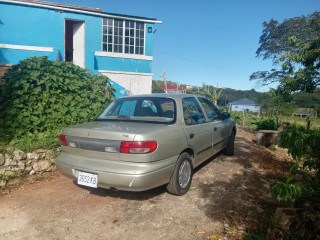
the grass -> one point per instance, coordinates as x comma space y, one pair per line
31, 142
246, 120
315, 122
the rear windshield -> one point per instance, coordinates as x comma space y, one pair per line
148, 109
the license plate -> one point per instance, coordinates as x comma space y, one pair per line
88, 179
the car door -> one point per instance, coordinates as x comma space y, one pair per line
198, 130
218, 126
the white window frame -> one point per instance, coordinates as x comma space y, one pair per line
139, 39
124, 37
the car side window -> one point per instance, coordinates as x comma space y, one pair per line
192, 112
211, 110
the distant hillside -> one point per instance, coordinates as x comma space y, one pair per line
227, 94
298, 100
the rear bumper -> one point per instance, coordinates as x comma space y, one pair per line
121, 175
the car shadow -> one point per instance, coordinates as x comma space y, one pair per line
138, 196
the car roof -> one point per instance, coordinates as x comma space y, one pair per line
166, 95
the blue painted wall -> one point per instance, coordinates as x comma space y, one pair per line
149, 40
35, 26
125, 64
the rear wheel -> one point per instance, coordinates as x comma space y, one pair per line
182, 176
229, 150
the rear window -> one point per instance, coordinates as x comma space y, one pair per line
148, 109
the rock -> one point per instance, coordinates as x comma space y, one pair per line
2, 160
9, 173
41, 165
266, 138
40, 150
21, 166
10, 162
3, 183
41, 153
15, 169
28, 169
33, 156
32, 172
50, 155
52, 168
7, 156
285, 216
18, 155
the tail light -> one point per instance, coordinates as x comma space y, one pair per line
142, 147
63, 139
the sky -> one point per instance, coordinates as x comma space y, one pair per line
207, 41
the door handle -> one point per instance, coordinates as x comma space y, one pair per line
215, 128
191, 135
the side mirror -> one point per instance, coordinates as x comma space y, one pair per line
225, 115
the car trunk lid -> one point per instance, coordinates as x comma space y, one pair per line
102, 139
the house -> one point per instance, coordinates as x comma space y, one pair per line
305, 112
244, 104
171, 88
118, 46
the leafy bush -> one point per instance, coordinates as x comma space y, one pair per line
302, 187
303, 145
286, 191
237, 116
41, 96
266, 123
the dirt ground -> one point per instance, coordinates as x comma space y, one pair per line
228, 196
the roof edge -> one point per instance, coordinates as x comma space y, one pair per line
85, 10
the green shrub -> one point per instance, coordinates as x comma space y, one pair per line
286, 191
237, 116
266, 123
303, 145
41, 96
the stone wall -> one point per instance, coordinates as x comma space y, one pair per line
20, 163
266, 138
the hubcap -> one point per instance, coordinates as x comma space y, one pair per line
184, 174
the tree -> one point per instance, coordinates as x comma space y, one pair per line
211, 93
156, 86
294, 48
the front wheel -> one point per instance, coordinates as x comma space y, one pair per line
229, 150
182, 176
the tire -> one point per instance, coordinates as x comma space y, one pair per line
229, 150
182, 176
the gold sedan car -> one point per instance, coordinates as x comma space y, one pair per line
142, 142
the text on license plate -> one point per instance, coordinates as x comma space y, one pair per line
88, 179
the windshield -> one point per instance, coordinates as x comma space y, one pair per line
150, 109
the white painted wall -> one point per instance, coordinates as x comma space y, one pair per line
240, 108
135, 83
78, 44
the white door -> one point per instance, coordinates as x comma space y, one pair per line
78, 44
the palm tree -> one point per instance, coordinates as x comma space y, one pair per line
212, 93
